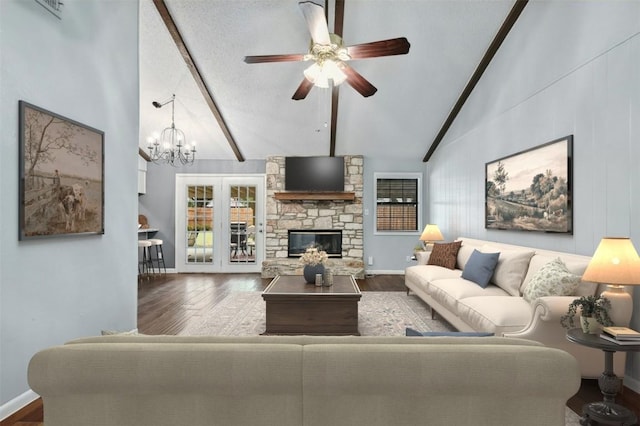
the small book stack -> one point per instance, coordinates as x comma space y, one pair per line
621, 335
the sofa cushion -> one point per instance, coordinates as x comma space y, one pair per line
463, 255
480, 267
511, 268
444, 254
496, 314
553, 279
422, 275
449, 291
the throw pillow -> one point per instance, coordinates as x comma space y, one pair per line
480, 267
552, 279
511, 268
445, 254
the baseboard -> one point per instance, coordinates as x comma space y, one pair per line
17, 403
383, 272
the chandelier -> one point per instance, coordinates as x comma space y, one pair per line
169, 146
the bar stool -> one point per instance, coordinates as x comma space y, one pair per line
145, 265
159, 254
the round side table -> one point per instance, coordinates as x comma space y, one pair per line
605, 412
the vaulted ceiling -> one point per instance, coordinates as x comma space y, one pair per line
417, 92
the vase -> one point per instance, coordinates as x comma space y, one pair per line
310, 271
590, 325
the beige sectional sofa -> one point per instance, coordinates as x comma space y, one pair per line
303, 381
500, 308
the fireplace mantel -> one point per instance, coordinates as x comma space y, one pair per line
318, 196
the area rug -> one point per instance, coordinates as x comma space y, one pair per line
379, 314
382, 313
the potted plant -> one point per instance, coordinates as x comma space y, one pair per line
313, 260
594, 313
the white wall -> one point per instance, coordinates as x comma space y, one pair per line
84, 67
568, 67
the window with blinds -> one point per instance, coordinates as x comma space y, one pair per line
397, 202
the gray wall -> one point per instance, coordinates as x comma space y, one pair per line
84, 67
389, 251
568, 68
158, 203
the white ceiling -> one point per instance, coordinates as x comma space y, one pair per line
415, 93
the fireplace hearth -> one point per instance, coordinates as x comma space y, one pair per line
329, 240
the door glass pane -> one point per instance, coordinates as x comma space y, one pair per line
199, 235
242, 226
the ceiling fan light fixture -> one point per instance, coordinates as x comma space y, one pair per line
333, 72
312, 72
320, 73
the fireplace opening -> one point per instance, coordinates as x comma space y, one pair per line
329, 240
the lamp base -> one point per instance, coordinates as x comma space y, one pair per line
621, 304
427, 245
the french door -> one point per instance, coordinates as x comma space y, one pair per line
219, 223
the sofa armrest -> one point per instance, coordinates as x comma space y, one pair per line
551, 308
545, 320
422, 257
545, 328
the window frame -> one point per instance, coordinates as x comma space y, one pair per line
398, 175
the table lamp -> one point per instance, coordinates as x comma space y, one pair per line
617, 264
430, 234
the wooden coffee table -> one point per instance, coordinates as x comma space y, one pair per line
295, 307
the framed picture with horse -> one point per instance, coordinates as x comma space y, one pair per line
61, 175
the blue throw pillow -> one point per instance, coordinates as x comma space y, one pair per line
411, 332
480, 267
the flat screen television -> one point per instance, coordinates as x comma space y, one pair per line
314, 173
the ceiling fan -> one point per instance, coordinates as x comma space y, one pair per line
330, 56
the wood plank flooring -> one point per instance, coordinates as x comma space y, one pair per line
167, 304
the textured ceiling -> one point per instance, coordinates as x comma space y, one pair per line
415, 93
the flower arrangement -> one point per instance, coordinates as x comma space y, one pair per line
590, 306
313, 256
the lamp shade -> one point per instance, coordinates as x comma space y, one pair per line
431, 233
614, 262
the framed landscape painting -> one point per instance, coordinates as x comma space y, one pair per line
61, 175
531, 190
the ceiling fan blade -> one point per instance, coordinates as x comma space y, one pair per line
317, 23
394, 46
357, 81
273, 58
303, 90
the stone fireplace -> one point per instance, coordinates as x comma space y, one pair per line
283, 216
327, 240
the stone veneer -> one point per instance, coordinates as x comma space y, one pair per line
285, 215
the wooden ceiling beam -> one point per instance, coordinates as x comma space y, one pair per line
508, 23
197, 76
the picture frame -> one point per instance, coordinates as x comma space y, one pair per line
61, 169
532, 190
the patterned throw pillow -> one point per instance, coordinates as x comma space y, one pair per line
552, 279
445, 254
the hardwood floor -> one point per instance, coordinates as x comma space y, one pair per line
167, 304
